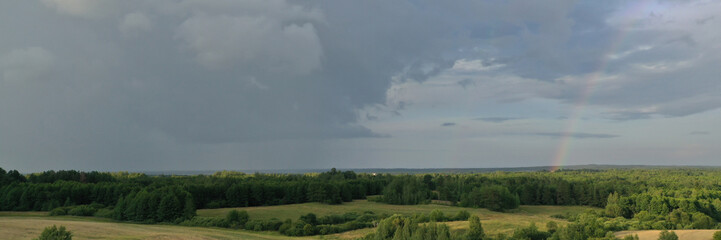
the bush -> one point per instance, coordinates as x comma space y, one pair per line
206, 222
531, 233
104, 213
666, 235
60, 211
82, 210
436, 216
55, 233
462, 215
717, 235
236, 218
264, 225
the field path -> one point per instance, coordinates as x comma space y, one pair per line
682, 234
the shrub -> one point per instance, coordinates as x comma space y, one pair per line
237, 218
666, 235
462, 215
206, 222
55, 233
531, 232
717, 235
263, 225
60, 211
104, 213
436, 216
82, 210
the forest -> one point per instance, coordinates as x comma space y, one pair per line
630, 199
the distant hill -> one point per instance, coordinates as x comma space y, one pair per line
433, 170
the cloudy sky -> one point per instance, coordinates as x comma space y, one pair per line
273, 84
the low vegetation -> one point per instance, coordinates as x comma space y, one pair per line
55, 233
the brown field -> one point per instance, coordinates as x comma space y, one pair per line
682, 234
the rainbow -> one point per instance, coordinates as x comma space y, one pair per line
560, 157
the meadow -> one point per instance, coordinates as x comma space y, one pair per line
493, 222
26, 225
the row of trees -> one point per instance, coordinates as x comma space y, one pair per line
136, 196
168, 204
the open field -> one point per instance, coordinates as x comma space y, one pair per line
18, 227
493, 222
26, 225
682, 234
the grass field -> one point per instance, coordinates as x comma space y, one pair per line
493, 222
27, 225
682, 234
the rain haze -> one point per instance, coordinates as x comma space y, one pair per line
272, 84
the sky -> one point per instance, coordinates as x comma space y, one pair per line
130, 85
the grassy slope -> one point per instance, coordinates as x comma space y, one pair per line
682, 234
26, 225
493, 222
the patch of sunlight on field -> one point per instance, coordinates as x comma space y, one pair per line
31, 227
682, 234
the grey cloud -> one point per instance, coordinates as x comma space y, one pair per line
134, 23
703, 21
575, 135
448, 124
117, 83
155, 81
700, 133
252, 43
495, 119
465, 83
25, 64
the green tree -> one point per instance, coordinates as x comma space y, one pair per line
169, 208
55, 233
666, 235
717, 235
237, 218
630, 237
475, 230
530, 233
436, 216
613, 209
119, 210
189, 208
